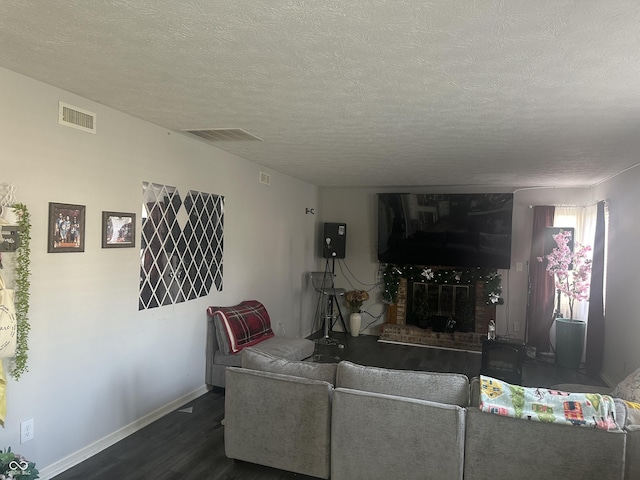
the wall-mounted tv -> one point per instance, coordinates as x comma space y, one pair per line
454, 230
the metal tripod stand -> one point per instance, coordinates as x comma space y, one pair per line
327, 301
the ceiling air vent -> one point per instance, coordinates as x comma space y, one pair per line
223, 135
75, 117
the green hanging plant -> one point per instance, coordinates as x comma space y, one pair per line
391, 275
21, 300
13, 465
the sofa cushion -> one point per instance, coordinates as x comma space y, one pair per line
632, 411
277, 420
629, 388
240, 326
287, 347
504, 448
450, 388
258, 360
547, 405
279, 346
378, 436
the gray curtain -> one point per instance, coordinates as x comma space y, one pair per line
542, 288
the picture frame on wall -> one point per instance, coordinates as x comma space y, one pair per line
66, 228
118, 230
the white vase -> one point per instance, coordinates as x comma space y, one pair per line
355, 319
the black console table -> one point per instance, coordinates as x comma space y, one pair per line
503, 359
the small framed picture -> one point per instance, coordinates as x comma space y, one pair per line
66, 228
118, 230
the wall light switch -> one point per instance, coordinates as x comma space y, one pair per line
519, 266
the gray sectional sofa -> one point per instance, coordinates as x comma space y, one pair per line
220, 355
347, 421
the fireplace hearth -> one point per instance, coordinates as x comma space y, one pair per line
411, 334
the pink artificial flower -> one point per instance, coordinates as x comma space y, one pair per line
575, 282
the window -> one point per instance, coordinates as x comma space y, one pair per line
583, 219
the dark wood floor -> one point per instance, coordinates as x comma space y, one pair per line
190, 446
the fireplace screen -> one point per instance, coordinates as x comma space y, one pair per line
432, 304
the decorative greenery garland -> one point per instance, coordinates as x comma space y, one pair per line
391, 275
21, 300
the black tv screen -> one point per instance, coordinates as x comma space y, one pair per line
453, 230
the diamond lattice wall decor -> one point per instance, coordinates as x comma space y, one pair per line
181, 245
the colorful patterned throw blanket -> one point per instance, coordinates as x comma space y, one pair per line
546, 405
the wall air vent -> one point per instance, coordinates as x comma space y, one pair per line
265, 178
223, 135
75, 117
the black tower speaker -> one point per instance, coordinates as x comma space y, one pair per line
334, 240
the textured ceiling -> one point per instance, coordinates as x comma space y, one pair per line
356, 92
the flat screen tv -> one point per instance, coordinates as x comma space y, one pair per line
453, 230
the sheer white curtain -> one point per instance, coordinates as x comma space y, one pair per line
583, 219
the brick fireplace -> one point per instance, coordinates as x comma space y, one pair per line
398, 329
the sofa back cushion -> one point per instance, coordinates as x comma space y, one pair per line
277, 420
377, 436
629, 388
255, 359
449, 388
240, 326
547, 405
504, 448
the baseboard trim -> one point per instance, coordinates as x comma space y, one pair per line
81, 455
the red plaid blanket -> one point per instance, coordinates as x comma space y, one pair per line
245, 324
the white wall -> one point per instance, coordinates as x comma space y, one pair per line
622, 324
96, 363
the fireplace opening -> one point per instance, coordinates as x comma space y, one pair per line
425, 319
448, 308
441, 308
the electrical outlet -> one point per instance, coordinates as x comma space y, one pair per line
26, 430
